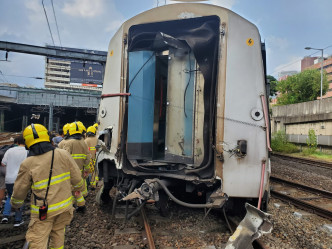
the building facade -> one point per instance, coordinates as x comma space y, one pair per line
74, 74
315, 63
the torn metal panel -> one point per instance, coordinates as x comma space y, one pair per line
253, 226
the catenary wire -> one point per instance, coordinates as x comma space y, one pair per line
23, 76
293, 62
56, 23
48, 24
3, 76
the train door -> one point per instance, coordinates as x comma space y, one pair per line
165, 62
180, 108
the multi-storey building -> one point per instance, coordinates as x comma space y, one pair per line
316, 64
73, 74
284, 74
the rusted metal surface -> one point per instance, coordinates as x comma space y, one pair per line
114, 95
147, 230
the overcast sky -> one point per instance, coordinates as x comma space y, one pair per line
287, 26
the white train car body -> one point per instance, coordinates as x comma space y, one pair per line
183, 96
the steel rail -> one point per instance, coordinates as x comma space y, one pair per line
147, 230
316, 163
302, 204
321, 192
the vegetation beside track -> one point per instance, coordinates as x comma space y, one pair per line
280, 144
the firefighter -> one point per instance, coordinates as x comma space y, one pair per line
78, 149
51, 174
92, 141
65, 130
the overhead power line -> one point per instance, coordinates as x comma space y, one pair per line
3, 76
56, 23
48, 24
295, 61
23, 76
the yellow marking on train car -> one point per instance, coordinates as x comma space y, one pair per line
111, 53
250, 42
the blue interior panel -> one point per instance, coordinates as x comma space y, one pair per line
141, 101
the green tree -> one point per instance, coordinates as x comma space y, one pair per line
312, 141
273, 84
302, 87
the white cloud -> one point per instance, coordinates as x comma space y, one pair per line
277, 43
84, 8
33, 5
294, 64
113, 26
223, 3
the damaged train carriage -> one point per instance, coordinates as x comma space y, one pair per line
183, 110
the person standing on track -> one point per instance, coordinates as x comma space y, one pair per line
51, 174
12, 160
92, 142
78, 149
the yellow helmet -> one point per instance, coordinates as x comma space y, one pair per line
91, 129
81, 126
65, 129
76, 128
35, 133
96, 126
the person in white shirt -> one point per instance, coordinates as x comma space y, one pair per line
12, 160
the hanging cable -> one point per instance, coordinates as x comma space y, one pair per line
56, 24
48, 24
139, 71
3, 76
22, 76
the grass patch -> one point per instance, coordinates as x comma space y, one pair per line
315, 155
279, 143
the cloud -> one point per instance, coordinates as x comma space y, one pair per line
293, 64
114, 25
277, 43
223, 3
84, 8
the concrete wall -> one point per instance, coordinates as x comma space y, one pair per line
297, 119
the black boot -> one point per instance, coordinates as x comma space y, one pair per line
81, 209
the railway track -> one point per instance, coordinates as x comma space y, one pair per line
315, 200
12, 237
184, 228
316, 163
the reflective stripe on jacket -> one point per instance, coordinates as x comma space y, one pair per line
34, 174
92, 142
79, 152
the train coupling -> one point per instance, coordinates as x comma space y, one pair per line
149, 190
253, 226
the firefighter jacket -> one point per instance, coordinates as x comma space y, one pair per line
62, 143
80, 152
34, 174
92, 142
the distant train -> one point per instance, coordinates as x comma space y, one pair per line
184, 111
